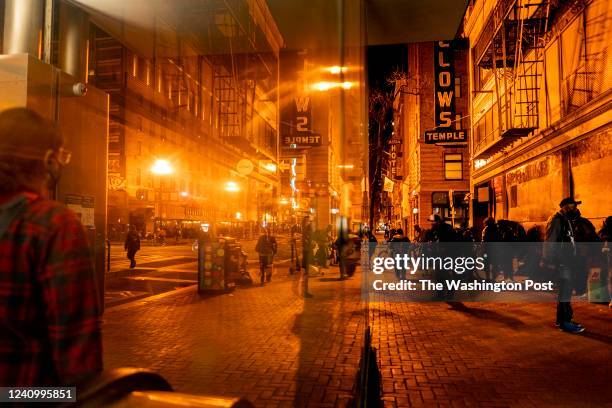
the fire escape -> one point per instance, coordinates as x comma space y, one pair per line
512, 46
233, 83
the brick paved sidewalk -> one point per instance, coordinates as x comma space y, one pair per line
264, 343
485, 354
268, 344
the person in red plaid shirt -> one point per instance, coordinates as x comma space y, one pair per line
49, 306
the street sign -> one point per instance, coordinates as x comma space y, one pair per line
297, 132
284, 166
302, 141
245, 167
446, 136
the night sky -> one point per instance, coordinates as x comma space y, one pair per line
382, 60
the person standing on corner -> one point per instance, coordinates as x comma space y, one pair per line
49, 302
560, 254
266, 248
132, 245
442, 233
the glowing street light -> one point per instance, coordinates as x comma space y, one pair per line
283, 201
238, 215
184, 194
336, 69
232, 186
162, 167
326, 85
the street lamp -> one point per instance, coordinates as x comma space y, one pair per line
323, 86
336, 70
162, 167
232, 186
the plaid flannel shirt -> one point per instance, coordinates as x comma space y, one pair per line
49, 306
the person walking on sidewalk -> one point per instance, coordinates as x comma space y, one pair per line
49, 302
132, 245
266, 248
560, 254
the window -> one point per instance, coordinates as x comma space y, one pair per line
453, 166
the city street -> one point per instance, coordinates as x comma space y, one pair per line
277, 349
424, 181
162, 268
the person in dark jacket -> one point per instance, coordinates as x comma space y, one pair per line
418, 233
441, 233
400, 245
132, 245
490, 234
266, 248
560, 253
307, 243
533, 254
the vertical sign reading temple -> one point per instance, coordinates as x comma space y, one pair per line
444, 85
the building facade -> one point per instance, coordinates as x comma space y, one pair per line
322, 142
208, 109
540, 108
430, 142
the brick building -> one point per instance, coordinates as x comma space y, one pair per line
201, 106
433, 102
541, 99
322, 132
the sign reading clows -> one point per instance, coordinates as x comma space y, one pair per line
300, 133
444, 94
